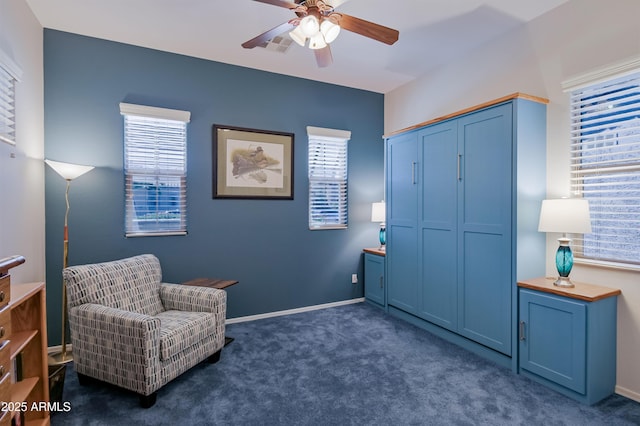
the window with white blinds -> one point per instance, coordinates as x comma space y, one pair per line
327, 178
605, 167
155, 167
9, 75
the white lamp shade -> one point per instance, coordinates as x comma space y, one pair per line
309, 25
566, 215
298, 36
378, 212
317, 42
330, 30
68, 171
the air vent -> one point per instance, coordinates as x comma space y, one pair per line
277, 44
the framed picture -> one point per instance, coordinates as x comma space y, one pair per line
250, 163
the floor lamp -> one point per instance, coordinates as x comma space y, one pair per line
69, 172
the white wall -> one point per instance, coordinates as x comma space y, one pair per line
21, 166
577, 37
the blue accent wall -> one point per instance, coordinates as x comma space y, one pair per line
265, 244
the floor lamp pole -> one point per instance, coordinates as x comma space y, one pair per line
63, 357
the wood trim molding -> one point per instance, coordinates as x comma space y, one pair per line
516, 95
581, 291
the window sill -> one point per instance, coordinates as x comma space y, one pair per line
608, 265
154, 234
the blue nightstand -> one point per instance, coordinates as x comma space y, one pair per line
567, 337
374, 281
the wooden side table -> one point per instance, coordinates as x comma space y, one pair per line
213, 283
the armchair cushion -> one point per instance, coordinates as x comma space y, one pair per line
180, 330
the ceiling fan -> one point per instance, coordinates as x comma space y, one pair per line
317, 22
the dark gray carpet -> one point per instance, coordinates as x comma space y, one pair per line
350, 365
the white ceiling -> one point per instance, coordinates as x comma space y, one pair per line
431, 32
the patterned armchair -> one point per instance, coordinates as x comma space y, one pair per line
131, 330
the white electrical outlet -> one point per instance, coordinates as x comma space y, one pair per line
354, 278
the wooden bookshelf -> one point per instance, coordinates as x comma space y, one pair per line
23, 352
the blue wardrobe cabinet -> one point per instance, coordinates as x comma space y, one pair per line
463, 194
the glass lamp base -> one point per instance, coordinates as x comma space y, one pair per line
563, 282
564, 263
382, 236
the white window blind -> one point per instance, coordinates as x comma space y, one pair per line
155, 167
327, 178
9, 75
605, 166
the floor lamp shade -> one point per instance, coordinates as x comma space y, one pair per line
566, 216
68, 172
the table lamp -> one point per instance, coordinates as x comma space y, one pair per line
378, 215
566, 216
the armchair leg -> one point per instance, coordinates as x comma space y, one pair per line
83, 379
215, 357
147, 401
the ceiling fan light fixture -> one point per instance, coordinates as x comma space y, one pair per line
317, 42
309, 25
329, 30
298, 36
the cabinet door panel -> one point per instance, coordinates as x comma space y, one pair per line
484, 310
486, 150
438, 294
402, 230
484, 227
374, 278
402, 273
553, 343
402, 182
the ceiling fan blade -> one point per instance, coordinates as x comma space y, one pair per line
368, 29
324, 57
268, 35
280, 3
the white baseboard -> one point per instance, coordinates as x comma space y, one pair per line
628, 393
293, 311
58, 348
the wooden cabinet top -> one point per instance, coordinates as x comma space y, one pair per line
512, 96
375, 251
581, 291
21, 292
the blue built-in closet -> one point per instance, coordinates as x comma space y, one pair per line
463, 197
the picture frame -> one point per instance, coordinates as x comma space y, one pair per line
252, 163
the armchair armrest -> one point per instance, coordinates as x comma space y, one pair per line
101, 334
105, 326
195, 299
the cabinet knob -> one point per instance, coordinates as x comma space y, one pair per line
1, 296
1, 370
381, 281
2, 332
